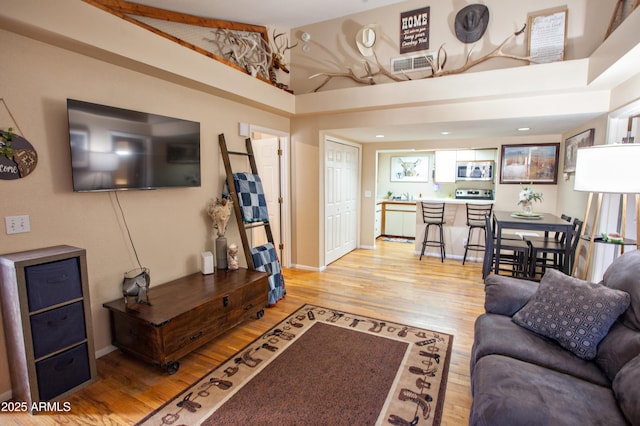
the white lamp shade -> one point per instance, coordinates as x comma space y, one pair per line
608, 169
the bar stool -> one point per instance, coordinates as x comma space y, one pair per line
433, 215
475, 220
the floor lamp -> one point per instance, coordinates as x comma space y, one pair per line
607, 169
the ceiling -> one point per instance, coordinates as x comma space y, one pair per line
545, 125
269, 13
297, 13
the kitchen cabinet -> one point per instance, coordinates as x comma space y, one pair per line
47, 319
445, 161
399, 219
466, 155
486, 154
445, 166
476, 155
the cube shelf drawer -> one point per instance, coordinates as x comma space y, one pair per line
47, 321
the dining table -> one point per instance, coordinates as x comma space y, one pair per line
541, 222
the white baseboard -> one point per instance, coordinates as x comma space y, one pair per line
309, 268
104, 351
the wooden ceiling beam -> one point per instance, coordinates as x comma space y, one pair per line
130, 8
124, 9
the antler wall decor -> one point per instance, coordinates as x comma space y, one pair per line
277, 61
245, 49
437, 66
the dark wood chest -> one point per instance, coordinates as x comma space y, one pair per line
186, 313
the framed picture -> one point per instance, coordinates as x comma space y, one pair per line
529, 163
410, 169
571, 146
547, 35
414, 30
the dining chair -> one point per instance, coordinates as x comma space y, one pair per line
549, 253
514, 254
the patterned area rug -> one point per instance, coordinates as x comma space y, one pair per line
322, 366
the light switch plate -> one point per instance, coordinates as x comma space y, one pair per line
17, 224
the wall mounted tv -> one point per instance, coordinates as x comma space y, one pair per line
118, 149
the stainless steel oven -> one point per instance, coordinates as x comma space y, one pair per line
474, 170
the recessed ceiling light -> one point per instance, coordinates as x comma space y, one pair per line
524, 129
445, 133
379, 136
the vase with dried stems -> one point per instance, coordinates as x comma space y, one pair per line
219, 210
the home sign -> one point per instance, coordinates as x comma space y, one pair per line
18, 158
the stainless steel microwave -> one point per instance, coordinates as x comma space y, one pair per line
474, 170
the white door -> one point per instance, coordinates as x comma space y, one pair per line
268, 162
341, 192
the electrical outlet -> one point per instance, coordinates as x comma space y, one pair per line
17, 224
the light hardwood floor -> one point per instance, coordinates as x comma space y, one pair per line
388, 282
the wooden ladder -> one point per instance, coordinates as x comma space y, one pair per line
242, 226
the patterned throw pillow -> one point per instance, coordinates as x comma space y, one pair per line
575, 313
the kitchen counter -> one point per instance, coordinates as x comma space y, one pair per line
403, 218
436, 200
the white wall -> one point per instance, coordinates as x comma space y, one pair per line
168, 226
332, 48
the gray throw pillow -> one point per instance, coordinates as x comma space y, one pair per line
575, 313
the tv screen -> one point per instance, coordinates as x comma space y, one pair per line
118, 149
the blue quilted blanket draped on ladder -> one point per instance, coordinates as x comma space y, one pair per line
253, 206
265, 259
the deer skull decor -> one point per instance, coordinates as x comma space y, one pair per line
277, 61
253, 53
409, 168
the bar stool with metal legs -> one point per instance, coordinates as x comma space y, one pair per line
475, 220
433, 215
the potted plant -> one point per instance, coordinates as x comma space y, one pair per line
526, 197
6, 138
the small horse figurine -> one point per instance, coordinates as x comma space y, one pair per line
136, 283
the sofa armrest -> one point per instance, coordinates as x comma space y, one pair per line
506, 295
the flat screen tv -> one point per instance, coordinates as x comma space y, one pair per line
119, 149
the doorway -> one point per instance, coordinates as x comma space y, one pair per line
341, 195
271, 149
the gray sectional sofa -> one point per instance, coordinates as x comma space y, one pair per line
559, 352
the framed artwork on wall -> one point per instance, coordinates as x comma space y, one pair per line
413, 168
571, 146
547, 35
414, 30
529, 163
